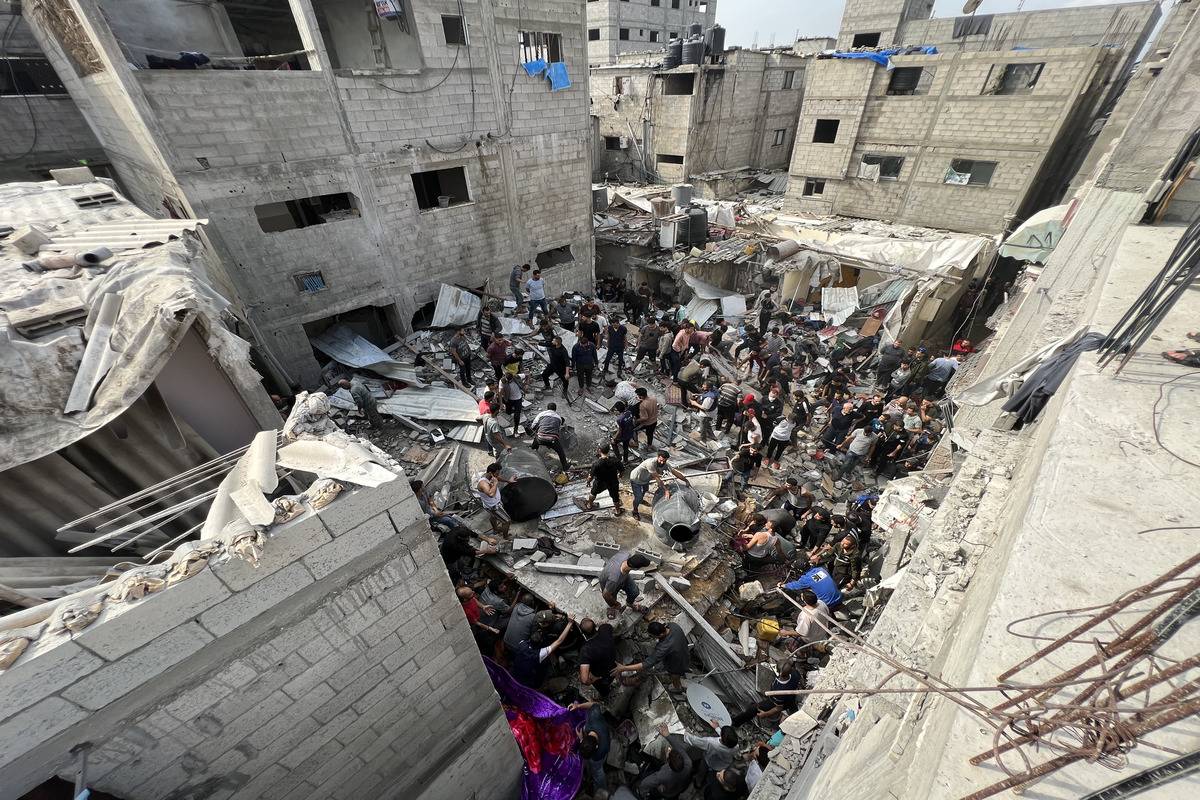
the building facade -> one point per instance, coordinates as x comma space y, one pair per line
43, 129
668, 125
981, 133
627, 26
350, 155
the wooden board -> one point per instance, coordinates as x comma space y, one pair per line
870, 327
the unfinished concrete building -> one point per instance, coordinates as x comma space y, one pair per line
670, 125
349, 155
626, 26
975, 123
42, 128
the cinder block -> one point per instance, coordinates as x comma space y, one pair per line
288, 542
350, 545
114, 681
42, 670
37, 724
352, 508
124, 627
243, 606
71, 176
28, 239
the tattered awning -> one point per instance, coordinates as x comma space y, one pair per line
1037, 236
348, 348
455, 307
709, 299
838, 303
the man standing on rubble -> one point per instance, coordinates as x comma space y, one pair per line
706, 406
515, 279
364, 400
670, 654
559, 364
647, 414
547, 432
537, 294
487, 489
583, 362
617, 334
679, 346
647, 342
652, 469
606, 476
615, 578
460, 353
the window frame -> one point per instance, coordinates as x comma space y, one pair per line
855, 43
920, 87
534, 45
623, 34
789, 79
462, 28
608, 143
995, 85
970, 173
668, 158
592, 38
780, 137
37, 84
306, 211
880, 159
813, 187
431, 202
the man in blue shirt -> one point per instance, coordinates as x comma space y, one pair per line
537, 294
822, 583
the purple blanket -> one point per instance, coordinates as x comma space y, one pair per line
545, 732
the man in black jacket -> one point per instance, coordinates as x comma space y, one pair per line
560, 365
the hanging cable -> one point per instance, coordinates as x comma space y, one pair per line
12, 74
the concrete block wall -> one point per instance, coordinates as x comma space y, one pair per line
617, 114
953, 120
342, 666
879, 16
222, 142
40, 132
640, 17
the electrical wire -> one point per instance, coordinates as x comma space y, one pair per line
449, 72
1155, 419
12, 74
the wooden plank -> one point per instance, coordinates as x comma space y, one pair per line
870, 327
18, 598
698, 618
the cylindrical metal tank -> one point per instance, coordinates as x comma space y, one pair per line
533, 492
674, 54
781, 250
677, 518
681, 193
695, 29
599, 198
697, 227
693, 51
716, 41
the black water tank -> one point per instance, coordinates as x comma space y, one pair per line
716, 41
693, 51
533, 492
674, 54
695, 29
697, 227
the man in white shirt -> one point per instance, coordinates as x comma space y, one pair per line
813, 621
537, 293
487, 489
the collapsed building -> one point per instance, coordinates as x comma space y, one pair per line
348, 162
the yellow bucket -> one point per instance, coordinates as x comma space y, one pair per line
768, 630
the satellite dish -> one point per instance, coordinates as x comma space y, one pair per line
706, 704
971, 5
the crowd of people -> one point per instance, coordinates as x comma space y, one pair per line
777, 393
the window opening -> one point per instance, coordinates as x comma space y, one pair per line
304, 212
825, 131
440, 188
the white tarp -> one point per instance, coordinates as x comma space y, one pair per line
1037, 236
709, 299
455, 308
705, 290
838, 303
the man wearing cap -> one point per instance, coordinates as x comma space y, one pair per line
616, 578
652, 469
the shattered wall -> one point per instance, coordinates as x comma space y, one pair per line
222, 142
341, 666
40, 131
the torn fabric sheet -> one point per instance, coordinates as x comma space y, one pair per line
838, 303
534, 68
1006, 384
557, 73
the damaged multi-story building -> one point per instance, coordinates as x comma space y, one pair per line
967, 123
621, 26
350, 156
43, 128
718, 113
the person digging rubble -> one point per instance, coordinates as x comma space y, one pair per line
760, 544
846, 565
624, 432
597, 656
652, 469
485, 635
813, 623
822, 585
537, 294
671, 780
744, 465
648, 336
769, 711
606, 477
595, 739
670, 654
647, 414
487, 489
859, 446
514, 399
530, 654
493, 435
497, 352
719, 752
547, 432
364, 400
616, 578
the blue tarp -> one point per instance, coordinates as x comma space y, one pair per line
557, 73
884, 57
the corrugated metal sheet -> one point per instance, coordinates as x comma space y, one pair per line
455, 307
432, 402
125, 235
347, 347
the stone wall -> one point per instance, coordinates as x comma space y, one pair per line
341, 666
644, 21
